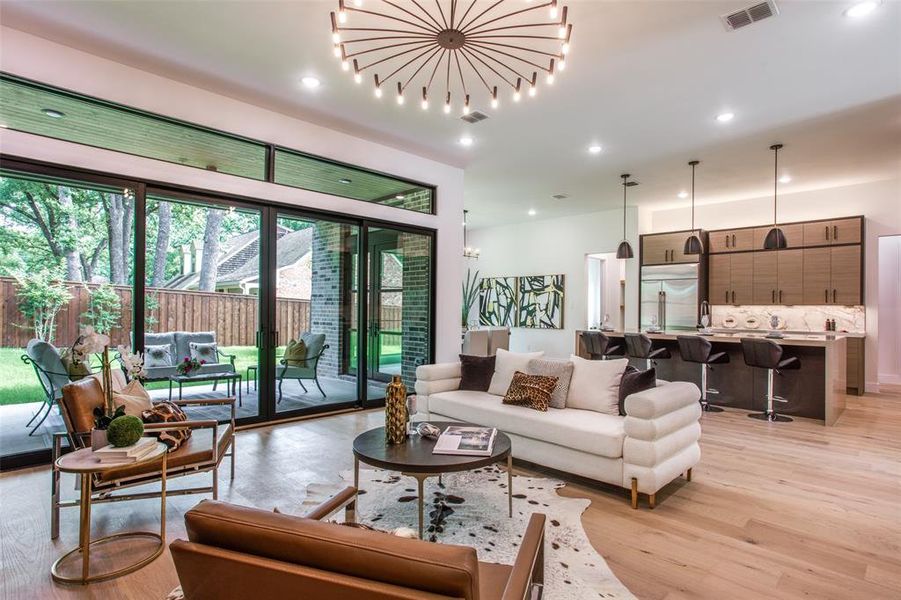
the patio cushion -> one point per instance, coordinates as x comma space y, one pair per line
160, 339
198, 449
158, 355
203, 351
314, 342
183, 341
295, 353
46, 356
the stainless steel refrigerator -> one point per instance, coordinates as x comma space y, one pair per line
670, 293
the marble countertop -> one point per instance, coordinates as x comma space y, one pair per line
848, 334
734, 337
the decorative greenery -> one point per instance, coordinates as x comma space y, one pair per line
40, 298
104, 309
470, 293
189, 365
102, 420
151, 303
124, 431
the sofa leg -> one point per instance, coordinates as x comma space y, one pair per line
652, 501
688, 475
634, 493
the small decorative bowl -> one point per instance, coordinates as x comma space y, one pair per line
427, 430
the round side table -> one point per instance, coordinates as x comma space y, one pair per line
85, 463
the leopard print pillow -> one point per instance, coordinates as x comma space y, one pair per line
531, 391
167, 412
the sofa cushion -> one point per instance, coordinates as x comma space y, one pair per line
595, 384
476, 372
561, 369
635, 381
530, 391
506, 364
588, 431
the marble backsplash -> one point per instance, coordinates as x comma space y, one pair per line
797, 318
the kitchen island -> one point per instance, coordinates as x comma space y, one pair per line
817, 390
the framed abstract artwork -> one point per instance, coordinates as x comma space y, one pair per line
497, 301
540, 301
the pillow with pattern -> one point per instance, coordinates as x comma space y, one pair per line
204, 352
157, 356
561, 369
167, 412
531, 391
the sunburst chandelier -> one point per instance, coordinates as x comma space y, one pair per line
444, 48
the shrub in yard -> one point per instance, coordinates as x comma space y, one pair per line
104, 309
40, 296
124, 431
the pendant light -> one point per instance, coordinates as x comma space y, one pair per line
775, 238
467, 251
693, 243
625, 249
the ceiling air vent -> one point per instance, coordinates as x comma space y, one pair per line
560, 196
752, 14
474, 117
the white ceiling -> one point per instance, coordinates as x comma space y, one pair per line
644, 79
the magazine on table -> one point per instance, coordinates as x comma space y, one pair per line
466, 441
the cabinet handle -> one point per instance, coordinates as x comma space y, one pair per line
727, 296
774, 297
727, 240
733, 296
834, 232
780, 296
827, 232
833, 296
733, 240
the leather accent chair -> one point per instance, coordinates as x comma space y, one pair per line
239, 552
209, 443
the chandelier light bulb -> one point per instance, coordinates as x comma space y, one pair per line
337, 51
517, 96
358, 78
561, 66
550, 79
532, 91
400, 99
342, 15
561, 33
358, 3
336, 37
378, 92
553, 10
425, 105
494, 103
466, 105
564, 48
447, 108
345, 66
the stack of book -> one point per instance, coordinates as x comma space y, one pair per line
127, 454
466, 441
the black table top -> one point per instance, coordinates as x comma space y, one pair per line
415, 456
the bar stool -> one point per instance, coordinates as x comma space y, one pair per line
638, 345
766, 354
697, 349
598, 346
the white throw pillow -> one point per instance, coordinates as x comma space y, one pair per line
595, 384
507, 363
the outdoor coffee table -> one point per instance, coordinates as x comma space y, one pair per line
85, 463
233, 379
415, 459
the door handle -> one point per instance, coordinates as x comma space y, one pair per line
834, 232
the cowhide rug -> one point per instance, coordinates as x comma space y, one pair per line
470, 508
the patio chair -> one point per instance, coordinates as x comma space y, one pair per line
306, 369
209, 443
52, 374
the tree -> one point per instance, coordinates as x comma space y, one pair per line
209, 262
120, 212
39, 298
161, 254
73, 257
104, 309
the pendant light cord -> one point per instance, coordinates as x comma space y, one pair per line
693, 165
775, 182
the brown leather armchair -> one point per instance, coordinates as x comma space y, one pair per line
239, 552
209, 443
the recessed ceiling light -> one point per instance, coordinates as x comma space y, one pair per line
683, 194
861, 9
53, 114
725, 117
345, 180
595, 148
466, 141
532, 212
785, 179
310, 82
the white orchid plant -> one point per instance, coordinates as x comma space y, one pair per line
94, 342
132, 362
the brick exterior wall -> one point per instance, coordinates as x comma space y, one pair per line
418, 199
331, 305
416, 312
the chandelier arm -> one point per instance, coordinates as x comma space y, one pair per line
405, 65
362, 52
453, 11
419, 38
460, 71
412, 14
416, 72
501, 63
463, 18
463, 28
520, 26
427, 13
393, 18
428, 87
413, 33
490, 68
487, 87
531, 37
513, 56
441, 12
469, 26
407, 51
551, 54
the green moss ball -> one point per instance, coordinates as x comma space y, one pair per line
124, 431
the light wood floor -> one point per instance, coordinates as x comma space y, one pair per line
791, 510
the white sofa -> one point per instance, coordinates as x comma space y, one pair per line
652, 445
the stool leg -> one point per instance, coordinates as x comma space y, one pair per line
704, 404
650, 363
770, 413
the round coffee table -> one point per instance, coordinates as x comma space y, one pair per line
415, 459
85, 463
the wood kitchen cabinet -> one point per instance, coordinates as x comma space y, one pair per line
794, 235
766, 281
832, 275
731, 278
719, 283
817, 278
778, 277
732, 240
666, 248
836, 231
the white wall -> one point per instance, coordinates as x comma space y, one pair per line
39, 59
553, 246
889, 368
879, 202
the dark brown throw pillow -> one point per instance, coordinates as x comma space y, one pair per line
476, 372
635, 381
531, 391
167, 412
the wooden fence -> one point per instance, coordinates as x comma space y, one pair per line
234, 317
